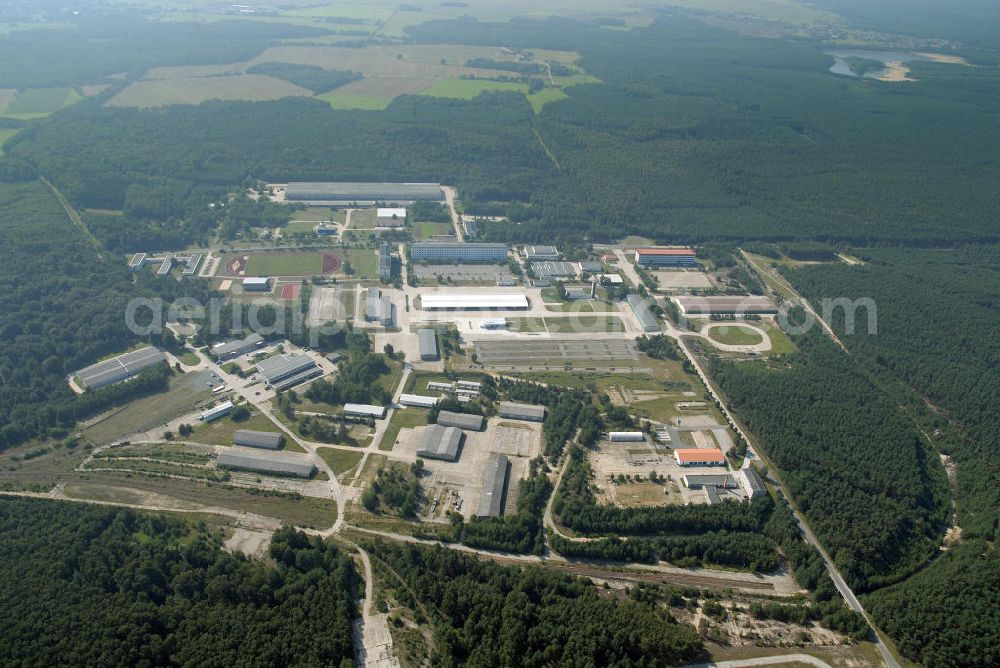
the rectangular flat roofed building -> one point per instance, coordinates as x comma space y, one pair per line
515, 411
192, 264
442, 443
726, 305
665, 257
427, 338
553, 269
135, 264
256, 284
460, 420
278, 463
385, 262
626, 436
391, 217
286, 365
751, 483
340, 192
231, 349
418, 400
364, 410
642, 313
444, 251
475, 302
165, 266
699, 481
268, 440
699, 457
215, 412
119, 368
541, 252
491, 499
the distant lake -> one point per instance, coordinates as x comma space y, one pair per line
840, 57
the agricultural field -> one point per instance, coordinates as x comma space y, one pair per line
339, 100
40, 102
466, 89
195, 90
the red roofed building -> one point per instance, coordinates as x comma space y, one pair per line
665, 257
699, 457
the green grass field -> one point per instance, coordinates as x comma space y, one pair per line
220, 432
340, 460
148, 412
298, 227
362, 102
430, 230
5, 134
544, 96
363, 261
320, 213
466, 89
585, 323
363, 219
284, 264
735, 335
39, 102
780, 343
402, 418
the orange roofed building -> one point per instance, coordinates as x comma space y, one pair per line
699, 457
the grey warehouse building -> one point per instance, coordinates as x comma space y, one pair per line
515, 411
287, 369
441, 443
334, 192
279, 463
237, 347
443, 251
119, 368
268, 440
491, 500
460, 420
427, 339
642, 313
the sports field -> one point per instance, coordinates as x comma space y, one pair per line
290, 290
735, 335
291, 264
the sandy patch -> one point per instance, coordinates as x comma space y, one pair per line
943, 58
226, 284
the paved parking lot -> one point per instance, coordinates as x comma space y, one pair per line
554, 351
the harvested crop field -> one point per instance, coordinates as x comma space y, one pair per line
195, 90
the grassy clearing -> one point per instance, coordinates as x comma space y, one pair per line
526, 324
339, 460
313, 214
585, 323
146, 413
195, 90
402, 418
5, 134
220, 432
38, 102
363, 261
360, 102
431, 230
735, 335
544, 96
284, 264
780, 343
363, 219
298, 227
390, 380
189, 359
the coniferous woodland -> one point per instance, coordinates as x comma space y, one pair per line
92, 586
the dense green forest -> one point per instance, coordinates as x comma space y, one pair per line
61, 307
937, 346
484, 614
83, 585
853, 461
740, 138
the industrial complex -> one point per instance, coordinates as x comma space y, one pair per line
359, 193
119, 368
